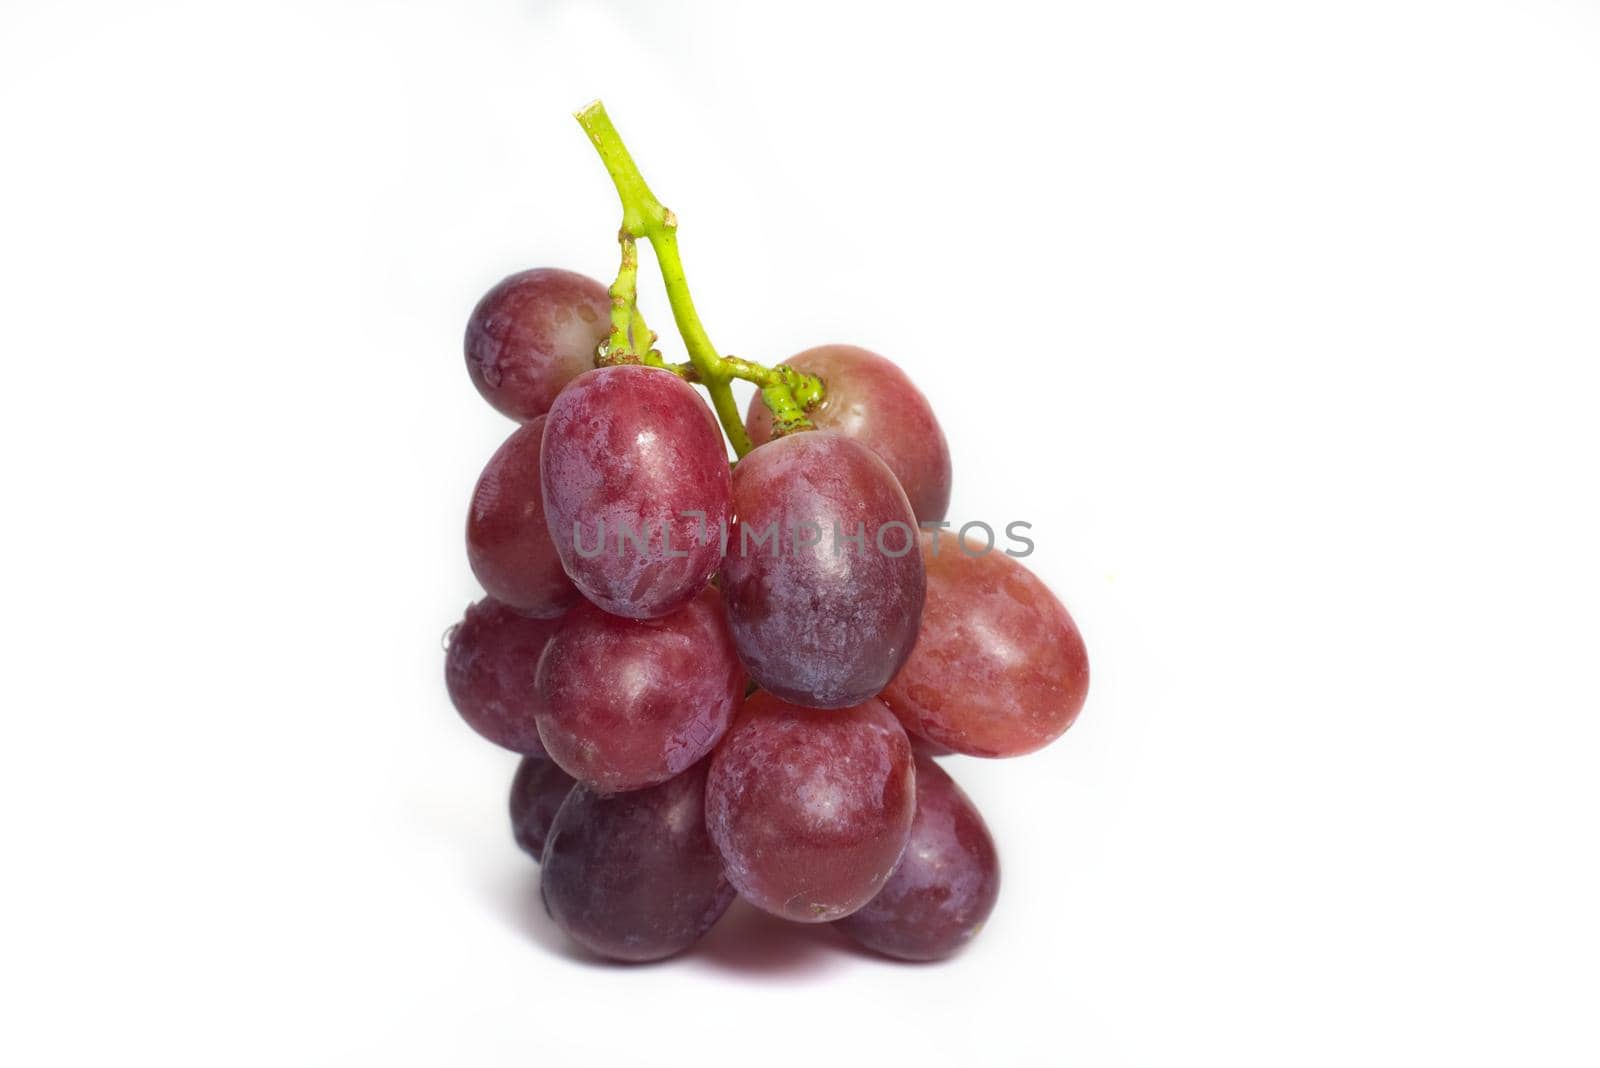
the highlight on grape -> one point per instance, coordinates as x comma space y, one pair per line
737, 683
795, 537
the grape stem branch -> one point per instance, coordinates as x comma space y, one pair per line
786, 391
627, 325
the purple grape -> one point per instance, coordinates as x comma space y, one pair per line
946, 883
822, 579
489, 671
508, 541
810, 809
628, 703
999, 668
537, 791
636, 489
633, 876
532, 334
869, 399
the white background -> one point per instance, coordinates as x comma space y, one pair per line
1278, 320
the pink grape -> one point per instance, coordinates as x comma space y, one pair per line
999, 668
532, 334
508, 541
636, 489
489, 671
820, 619
869, 399
633, 876
810, 809
946, 883
537, 791
628, 703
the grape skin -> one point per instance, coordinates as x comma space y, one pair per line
533, 333
630, 703
810, 809
870, 399
633, 876
489, 671
946, 883
999, 668
633, 448
825, 625
537, 791
508, 541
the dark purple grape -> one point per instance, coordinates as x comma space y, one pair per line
999, 668
810, 809
869, 399
532, 334
946, 883
489, 671
508, 541
633, 876
536, 794
822, 579
636, 489
628, 703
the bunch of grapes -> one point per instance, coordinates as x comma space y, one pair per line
735, 682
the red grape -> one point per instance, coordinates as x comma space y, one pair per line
628, 703
946, 883
536, 795
869, 399
508, 541
636, 489
532, 334
999, 668
810, 809
633, 876
821, 618
489, 671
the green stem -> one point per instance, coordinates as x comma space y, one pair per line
627, 325
786, 391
